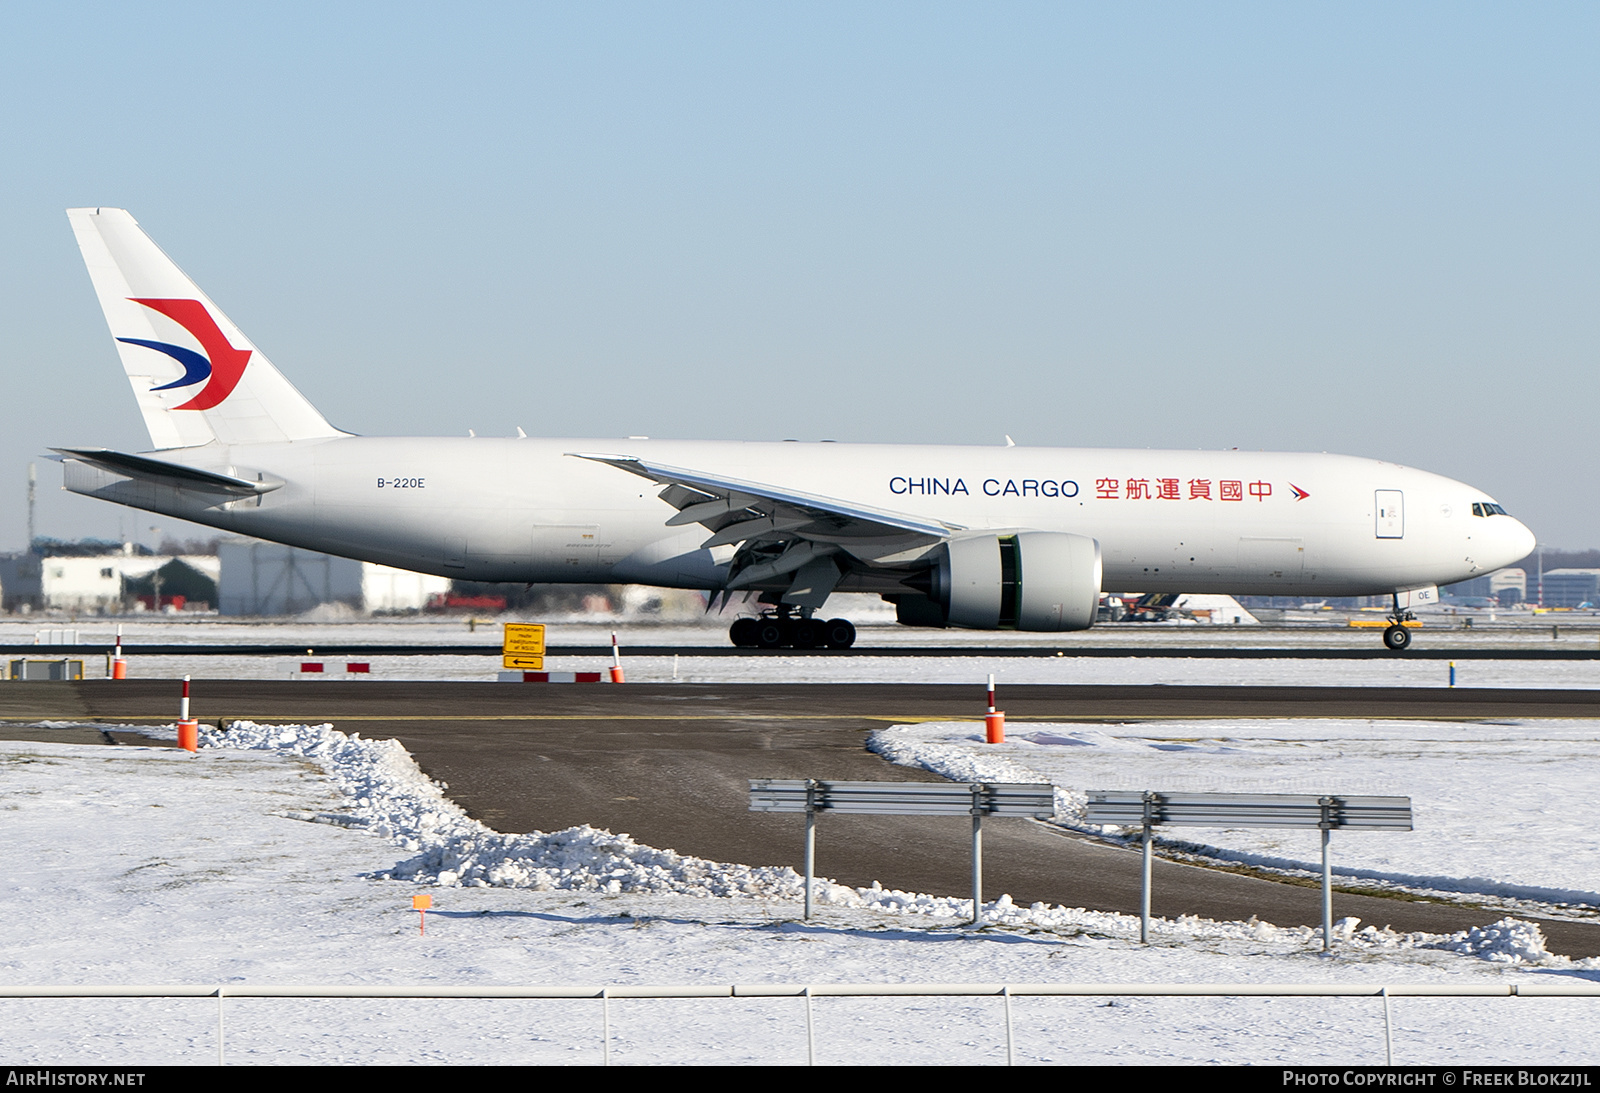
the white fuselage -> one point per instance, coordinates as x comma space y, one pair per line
1233, 522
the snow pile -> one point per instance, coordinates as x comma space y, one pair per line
391, 797
1509, 941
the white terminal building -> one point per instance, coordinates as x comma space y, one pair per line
84, 584
270, 579
250, 578
98, 583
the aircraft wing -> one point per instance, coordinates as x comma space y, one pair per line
782, 531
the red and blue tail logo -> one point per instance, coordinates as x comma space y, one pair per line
221, 367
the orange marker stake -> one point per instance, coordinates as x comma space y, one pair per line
420, 905
188, 727
616, 660
119, 666
994, 722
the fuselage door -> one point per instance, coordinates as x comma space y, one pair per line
1391, 514
455, 551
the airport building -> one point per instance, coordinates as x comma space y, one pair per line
110, 583
1571, 587
260, 578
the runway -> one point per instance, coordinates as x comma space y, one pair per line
350, 702
670, 764
1569, 652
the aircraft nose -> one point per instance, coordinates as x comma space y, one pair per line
1515, 543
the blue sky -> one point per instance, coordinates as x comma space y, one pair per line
1359, 228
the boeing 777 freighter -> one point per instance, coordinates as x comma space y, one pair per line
987, 538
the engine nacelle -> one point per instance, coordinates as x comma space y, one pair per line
1034, 580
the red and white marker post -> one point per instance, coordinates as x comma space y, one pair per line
994, 722
119, 666
616, 660
188, 727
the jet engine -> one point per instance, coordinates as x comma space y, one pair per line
1033, 580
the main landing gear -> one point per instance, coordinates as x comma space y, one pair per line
1396, 637
780, 629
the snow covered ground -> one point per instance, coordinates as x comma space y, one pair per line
1499, 807
878, 628
289, 855
1045, 667
972, 670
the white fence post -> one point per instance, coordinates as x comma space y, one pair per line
1388, 1032
811, 1036
1005, 993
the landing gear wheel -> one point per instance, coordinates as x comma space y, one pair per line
839, 633
771, 634
807, 634
745, 633
1397, 638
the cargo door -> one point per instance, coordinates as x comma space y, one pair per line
1391, 509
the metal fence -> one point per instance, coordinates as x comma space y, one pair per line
1005, 992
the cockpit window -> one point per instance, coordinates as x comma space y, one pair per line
1487, 508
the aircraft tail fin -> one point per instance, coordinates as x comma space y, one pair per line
196, 377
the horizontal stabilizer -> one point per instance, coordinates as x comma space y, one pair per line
174, 475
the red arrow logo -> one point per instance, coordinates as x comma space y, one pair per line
227, 363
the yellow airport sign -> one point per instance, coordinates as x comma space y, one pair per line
523, 646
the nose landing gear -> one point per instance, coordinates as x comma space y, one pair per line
787, 629
1396, 637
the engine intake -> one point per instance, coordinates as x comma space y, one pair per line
1033, 580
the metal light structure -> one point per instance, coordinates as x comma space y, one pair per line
1146, 809
975, 799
